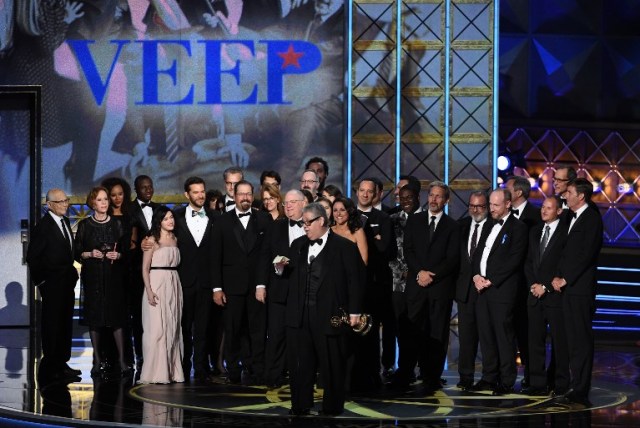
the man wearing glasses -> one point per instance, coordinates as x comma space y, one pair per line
474, 231
238, 236
276, 246
50, 259
309, 181
326, 280
561, 178
232, 176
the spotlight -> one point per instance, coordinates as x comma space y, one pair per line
533, 182
504, 163
625, 188
597, 186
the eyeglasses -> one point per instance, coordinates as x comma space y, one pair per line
310, 222
61, 201
477, 207
291, 202
308, 181
231, 183
247, 194
560, 179
268, 199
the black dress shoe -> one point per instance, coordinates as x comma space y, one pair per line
330, 413
573, 397
525, 383
68, 371
530, 390
482, 385
501, 389
300, 412
465, 385
557, 392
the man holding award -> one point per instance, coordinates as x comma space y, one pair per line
326, 278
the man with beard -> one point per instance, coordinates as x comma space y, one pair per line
277, 244
431, 249
194, 231
309, 181
321, 168
474, 231
238, 237
496, 269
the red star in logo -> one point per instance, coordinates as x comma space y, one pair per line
290, 57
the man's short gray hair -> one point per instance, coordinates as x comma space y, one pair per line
318, 211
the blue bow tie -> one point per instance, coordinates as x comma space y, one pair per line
201, 213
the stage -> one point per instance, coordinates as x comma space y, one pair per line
615, 399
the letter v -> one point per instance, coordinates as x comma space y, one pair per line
88, 65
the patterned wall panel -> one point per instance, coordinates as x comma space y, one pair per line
434, 143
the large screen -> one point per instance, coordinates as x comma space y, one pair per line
172, 88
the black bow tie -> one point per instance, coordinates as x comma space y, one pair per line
229, 203
240, 215
145, 205
500, 222
295, 223
515, 212
573, 214
315, 241
201, 213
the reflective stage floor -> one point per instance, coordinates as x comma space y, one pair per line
615, 399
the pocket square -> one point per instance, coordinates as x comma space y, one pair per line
504, 238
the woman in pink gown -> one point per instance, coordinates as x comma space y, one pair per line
162, 304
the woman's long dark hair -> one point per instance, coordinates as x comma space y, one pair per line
354, 222
110, 183
156, 221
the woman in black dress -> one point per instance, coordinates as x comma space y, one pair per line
99, 245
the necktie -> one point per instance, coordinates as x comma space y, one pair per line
432, 227
295, 223
240, 215
64, 232
316, 241
200, 213
474, 240
545, 240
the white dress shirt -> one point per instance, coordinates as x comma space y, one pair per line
315, 249
245, 218
57, 219
480, 224
495, 231
196, 224
148, 213
578, 214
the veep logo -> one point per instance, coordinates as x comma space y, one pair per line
282, 57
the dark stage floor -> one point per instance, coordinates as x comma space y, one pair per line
615, 399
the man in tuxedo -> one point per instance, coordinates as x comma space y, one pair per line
576, 279
378, 292
194, 231
326, 273
238, 237
474, 230
232, 176
277, 243
431, 249
50, 260
141, 210
377, 198
496, 272
546, 243
561, 178
529, 214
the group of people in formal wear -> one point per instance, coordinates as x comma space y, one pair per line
282, 289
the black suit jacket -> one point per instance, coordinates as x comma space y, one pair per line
50, 256
341, 281
440, 255
276, 243
464, 282
579, 261
194, 259
542, 270
236, 251
381, 251
531, 215
140, 223
505, 261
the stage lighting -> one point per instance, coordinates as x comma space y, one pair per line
597, 186
625, 188
533, 182
504, 163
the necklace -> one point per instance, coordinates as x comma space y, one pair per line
101, 221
